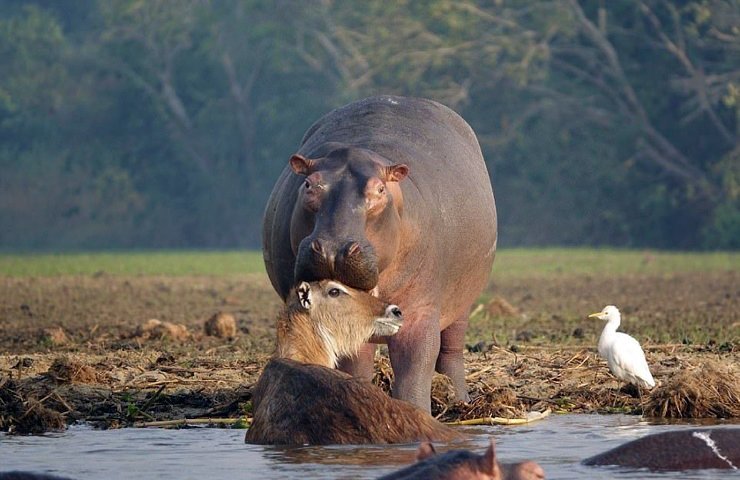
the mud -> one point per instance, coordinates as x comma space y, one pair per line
69, 348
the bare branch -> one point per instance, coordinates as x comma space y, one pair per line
661, 151
697, 76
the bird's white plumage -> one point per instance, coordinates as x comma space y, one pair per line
623, 353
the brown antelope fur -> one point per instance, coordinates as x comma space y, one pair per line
318, 328
465, 465
299, 399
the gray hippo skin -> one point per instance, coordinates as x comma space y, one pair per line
391, 194
677, 450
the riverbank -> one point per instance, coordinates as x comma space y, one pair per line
70, 349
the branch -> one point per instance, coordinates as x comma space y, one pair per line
242, 95
697, 76
595, 35
660, 150
596, 81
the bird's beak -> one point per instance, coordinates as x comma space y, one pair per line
595, 314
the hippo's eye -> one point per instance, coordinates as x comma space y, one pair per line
307, 184
334, 292
381, 189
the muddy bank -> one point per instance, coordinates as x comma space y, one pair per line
70, 350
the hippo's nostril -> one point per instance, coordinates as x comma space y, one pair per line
353, 249
316, 247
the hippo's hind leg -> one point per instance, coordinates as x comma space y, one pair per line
451, 361
362, 365
413, 351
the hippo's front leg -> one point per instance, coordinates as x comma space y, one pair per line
413, 351
451, 360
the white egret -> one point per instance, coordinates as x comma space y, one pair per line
623, 353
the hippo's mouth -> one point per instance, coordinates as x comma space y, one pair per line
385, 327
356, 265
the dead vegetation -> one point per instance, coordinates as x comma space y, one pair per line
706, 390
104, 372
154, 329
221, 325
23, 414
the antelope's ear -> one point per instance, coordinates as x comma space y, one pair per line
304, 295
302, 165
396, 173
487, 462
425, 451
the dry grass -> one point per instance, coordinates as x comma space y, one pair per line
21, 413
706, 390
98, 373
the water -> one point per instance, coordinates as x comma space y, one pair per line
558, 443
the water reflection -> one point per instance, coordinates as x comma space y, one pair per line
367, 455
558, 443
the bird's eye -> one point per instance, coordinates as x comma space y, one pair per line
335, 292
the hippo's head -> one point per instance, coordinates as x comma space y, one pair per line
346, 220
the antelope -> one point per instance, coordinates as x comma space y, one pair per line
301, 399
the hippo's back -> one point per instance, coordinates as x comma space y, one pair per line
677, 450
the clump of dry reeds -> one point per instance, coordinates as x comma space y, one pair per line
486, 401
23, 414
383, 375
709, 390
500, 307
66, 370
221, 325
443, 393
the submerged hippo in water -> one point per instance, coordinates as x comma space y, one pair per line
465, 465
390, 194
677, 450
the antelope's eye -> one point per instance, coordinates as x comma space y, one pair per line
334, 292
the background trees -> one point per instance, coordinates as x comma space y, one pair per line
152, 123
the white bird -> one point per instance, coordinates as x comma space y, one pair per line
623, 353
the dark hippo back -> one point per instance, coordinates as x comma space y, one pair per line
677, 450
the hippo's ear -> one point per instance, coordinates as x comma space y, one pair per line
396, 173
301, 165
487, 462
304, 295
425, 451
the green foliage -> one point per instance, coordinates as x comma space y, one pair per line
159, 124
724, 230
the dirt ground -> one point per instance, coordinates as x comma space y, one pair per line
70, 349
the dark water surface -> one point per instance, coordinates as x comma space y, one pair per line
558, 443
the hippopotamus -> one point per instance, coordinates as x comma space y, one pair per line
465, 465
390, 195
677, 450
